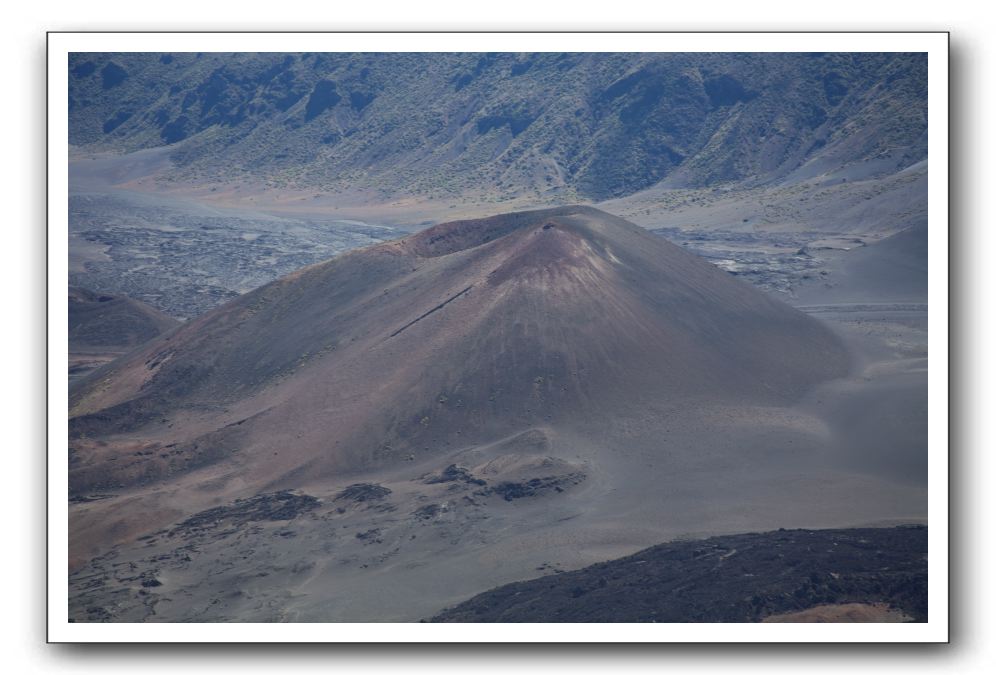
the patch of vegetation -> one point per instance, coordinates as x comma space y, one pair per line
603, 125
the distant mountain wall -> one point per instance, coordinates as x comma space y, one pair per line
590, 125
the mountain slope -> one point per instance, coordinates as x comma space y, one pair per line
102, 327
592, 125
463, 333
100, 320
893, 269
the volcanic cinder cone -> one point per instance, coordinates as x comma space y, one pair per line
462, 334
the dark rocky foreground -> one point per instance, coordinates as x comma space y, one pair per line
739, 578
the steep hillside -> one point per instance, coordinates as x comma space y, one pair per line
503, 125
891, 270
102, 327
100, 320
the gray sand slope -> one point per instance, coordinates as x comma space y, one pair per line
893, 269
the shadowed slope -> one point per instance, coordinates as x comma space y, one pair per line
893, 269
102, 327
112, 321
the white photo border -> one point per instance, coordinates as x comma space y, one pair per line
61, 44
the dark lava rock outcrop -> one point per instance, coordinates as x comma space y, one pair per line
284, 505
739, 578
